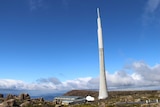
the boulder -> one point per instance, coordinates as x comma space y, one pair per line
10, 96
24, 96
38, 100
41, 99
25, 104
129, 98
137, 100
1, 96
8, 103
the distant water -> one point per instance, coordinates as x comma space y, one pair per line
48, 97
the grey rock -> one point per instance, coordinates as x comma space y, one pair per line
25, 104
24, 96
10, 96
137, 100
8, 103
41, 99
1, 96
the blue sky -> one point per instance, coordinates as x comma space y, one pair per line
54, 43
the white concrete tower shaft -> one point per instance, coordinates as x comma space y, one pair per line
103, 94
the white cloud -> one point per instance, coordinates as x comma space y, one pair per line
151, 12
120, 78
12, 84
152, 6
52, 80
142, 77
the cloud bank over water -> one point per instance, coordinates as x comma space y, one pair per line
141, 76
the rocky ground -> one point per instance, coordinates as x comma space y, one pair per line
123, 98
115, 99
23, 100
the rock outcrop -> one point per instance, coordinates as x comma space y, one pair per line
10, 96
1, 96
26, 103
24, 96
23, 100
8, 103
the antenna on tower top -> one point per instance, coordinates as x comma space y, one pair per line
98, 12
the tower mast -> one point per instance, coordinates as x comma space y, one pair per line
103, 94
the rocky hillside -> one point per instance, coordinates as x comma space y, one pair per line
112, 93
83, 93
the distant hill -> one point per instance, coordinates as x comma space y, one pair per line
82, 93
